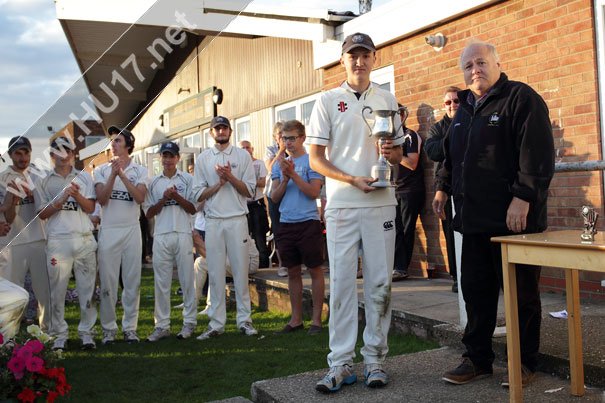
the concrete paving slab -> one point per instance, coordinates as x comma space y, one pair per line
417, 378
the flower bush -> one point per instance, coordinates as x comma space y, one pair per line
28, 369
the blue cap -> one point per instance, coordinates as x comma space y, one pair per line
17, 143
220, 121
169, 147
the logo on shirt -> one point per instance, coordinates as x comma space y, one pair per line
53, 262
120, 195
170, 202
70, 206
388, 225
342, 106
132, 178
26, 200
493, 119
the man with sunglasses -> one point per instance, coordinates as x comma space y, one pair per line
434, 149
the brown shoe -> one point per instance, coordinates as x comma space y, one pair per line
526, 377
466, 372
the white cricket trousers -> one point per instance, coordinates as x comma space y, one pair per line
63, 255
32, 256
120, 246
227, 237
170, 249
348, 230
13, 300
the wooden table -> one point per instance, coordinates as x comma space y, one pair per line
562, 249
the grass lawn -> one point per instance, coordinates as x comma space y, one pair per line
174, 370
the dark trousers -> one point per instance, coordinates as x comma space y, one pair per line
481, 284
448, 232
258, 225
274, 215
409, 206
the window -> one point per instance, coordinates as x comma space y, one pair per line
385, 78
299, 109
286, 114
193, 140
242, 129
208, 140
90, 140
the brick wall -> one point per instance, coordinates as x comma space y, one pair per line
548, 44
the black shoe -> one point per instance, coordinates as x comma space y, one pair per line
465, 373
399, 275
455, 287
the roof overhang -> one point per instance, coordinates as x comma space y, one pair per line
110, 40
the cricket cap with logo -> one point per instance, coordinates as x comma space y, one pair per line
17, 143
128, 136
169, 147
219, 121
358, 40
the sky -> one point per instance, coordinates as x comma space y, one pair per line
40, 82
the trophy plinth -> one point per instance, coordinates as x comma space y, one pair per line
382, 129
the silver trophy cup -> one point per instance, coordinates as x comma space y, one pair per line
383, 128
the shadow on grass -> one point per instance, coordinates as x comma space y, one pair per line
172, 370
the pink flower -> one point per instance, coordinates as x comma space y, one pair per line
34, 364
1, 339
35, 346
16, 365
27, 396
50, 398
23, 352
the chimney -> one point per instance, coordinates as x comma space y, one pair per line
365, 6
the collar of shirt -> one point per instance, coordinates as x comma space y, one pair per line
227, 150
72, 172
476, 103
177, 174
368, 91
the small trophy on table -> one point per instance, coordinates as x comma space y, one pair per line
590, 221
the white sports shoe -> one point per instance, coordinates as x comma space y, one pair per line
60, 343
248, 329
210, 332
130, 336
88, 342
109, 337
282, 272
186, 332
158, 334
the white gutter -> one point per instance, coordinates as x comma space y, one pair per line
393, 21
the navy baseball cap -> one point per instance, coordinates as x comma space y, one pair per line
18, 142
66, 143
358, 40
169, 147
220, 121
128, 136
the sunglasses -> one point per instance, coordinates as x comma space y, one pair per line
449, 101
289, 138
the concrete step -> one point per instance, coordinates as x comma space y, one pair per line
417, 378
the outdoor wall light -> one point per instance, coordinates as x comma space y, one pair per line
217, 96
437, 41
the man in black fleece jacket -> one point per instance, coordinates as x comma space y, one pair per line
498, 166
434, 150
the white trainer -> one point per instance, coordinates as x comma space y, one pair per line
186, 332
248, 329
158, 334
